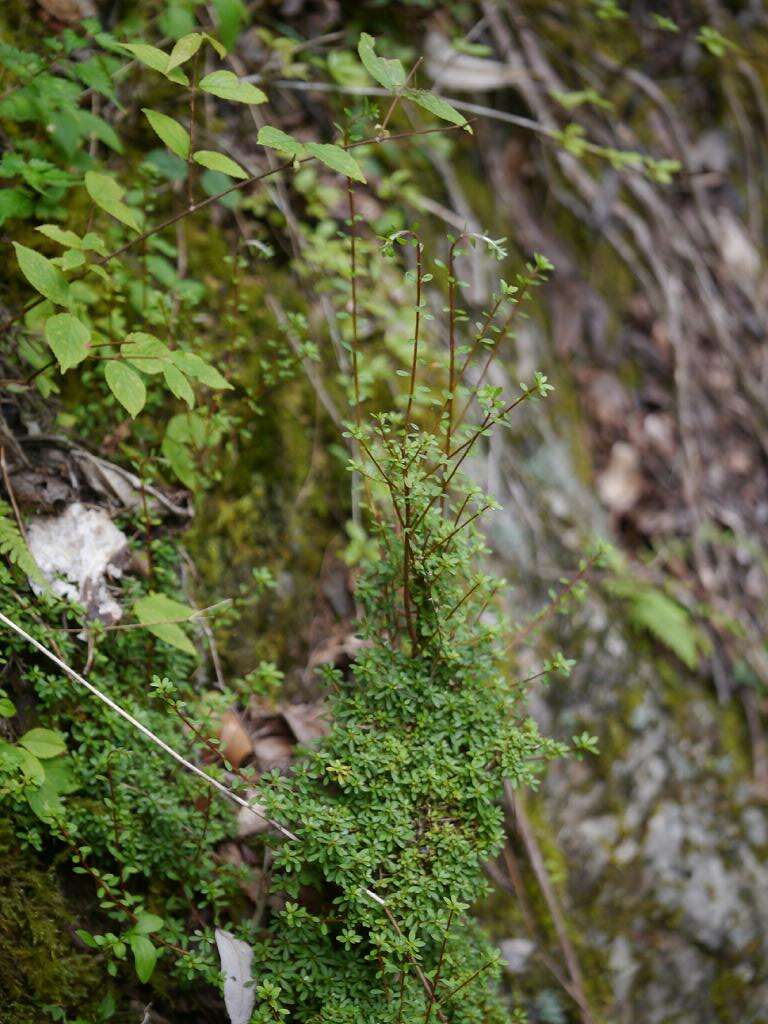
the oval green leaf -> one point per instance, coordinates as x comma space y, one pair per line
42, 274
161, 615
126, 385
68, 338
107, 193
173, 134
227, 86
274, 138
184, 48
156, 59
389, 73
219, 162
438, 106
337, 159
43, 743
179, 385
144, 955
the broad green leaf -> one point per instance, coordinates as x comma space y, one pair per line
156, 59
126, 385
337, 159
89, 241
184, 48
345, 69
179, 384
147, 923
72, 259
96, 73
161, 615
68, 338
220, 48
146, 352
30, 766
438, 106
219, 162
91, 124
668, 621
173, 134
14, 202
180, 460
389, 73
231, 15
7, 707
42, 275
274, 138
227, 86
107, 193
651, 609
145, 956
63, 237
188, 428
43, 743
193, 366
45, 801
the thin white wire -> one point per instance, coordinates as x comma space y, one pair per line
156, 739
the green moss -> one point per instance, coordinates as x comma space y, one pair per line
38, 961
729, 994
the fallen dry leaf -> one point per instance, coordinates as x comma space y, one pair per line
69, 12
236, 744
621, 483
252, 822
307, 722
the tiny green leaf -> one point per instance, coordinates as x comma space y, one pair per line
337, 159
227, 86
219, 162
389, 73
68, 338
43, 743
42, 274
173, 134
126, 385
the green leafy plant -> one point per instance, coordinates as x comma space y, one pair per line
378, 836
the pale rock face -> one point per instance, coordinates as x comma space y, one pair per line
77, 552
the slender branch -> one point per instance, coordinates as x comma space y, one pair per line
439, 970
203, 203
11, 495
153, 738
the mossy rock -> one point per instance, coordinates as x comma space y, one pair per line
39, 964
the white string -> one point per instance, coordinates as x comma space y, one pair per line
225, 790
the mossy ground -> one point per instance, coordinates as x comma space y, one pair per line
39, 962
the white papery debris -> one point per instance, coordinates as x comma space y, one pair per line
236, 957
77, 551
